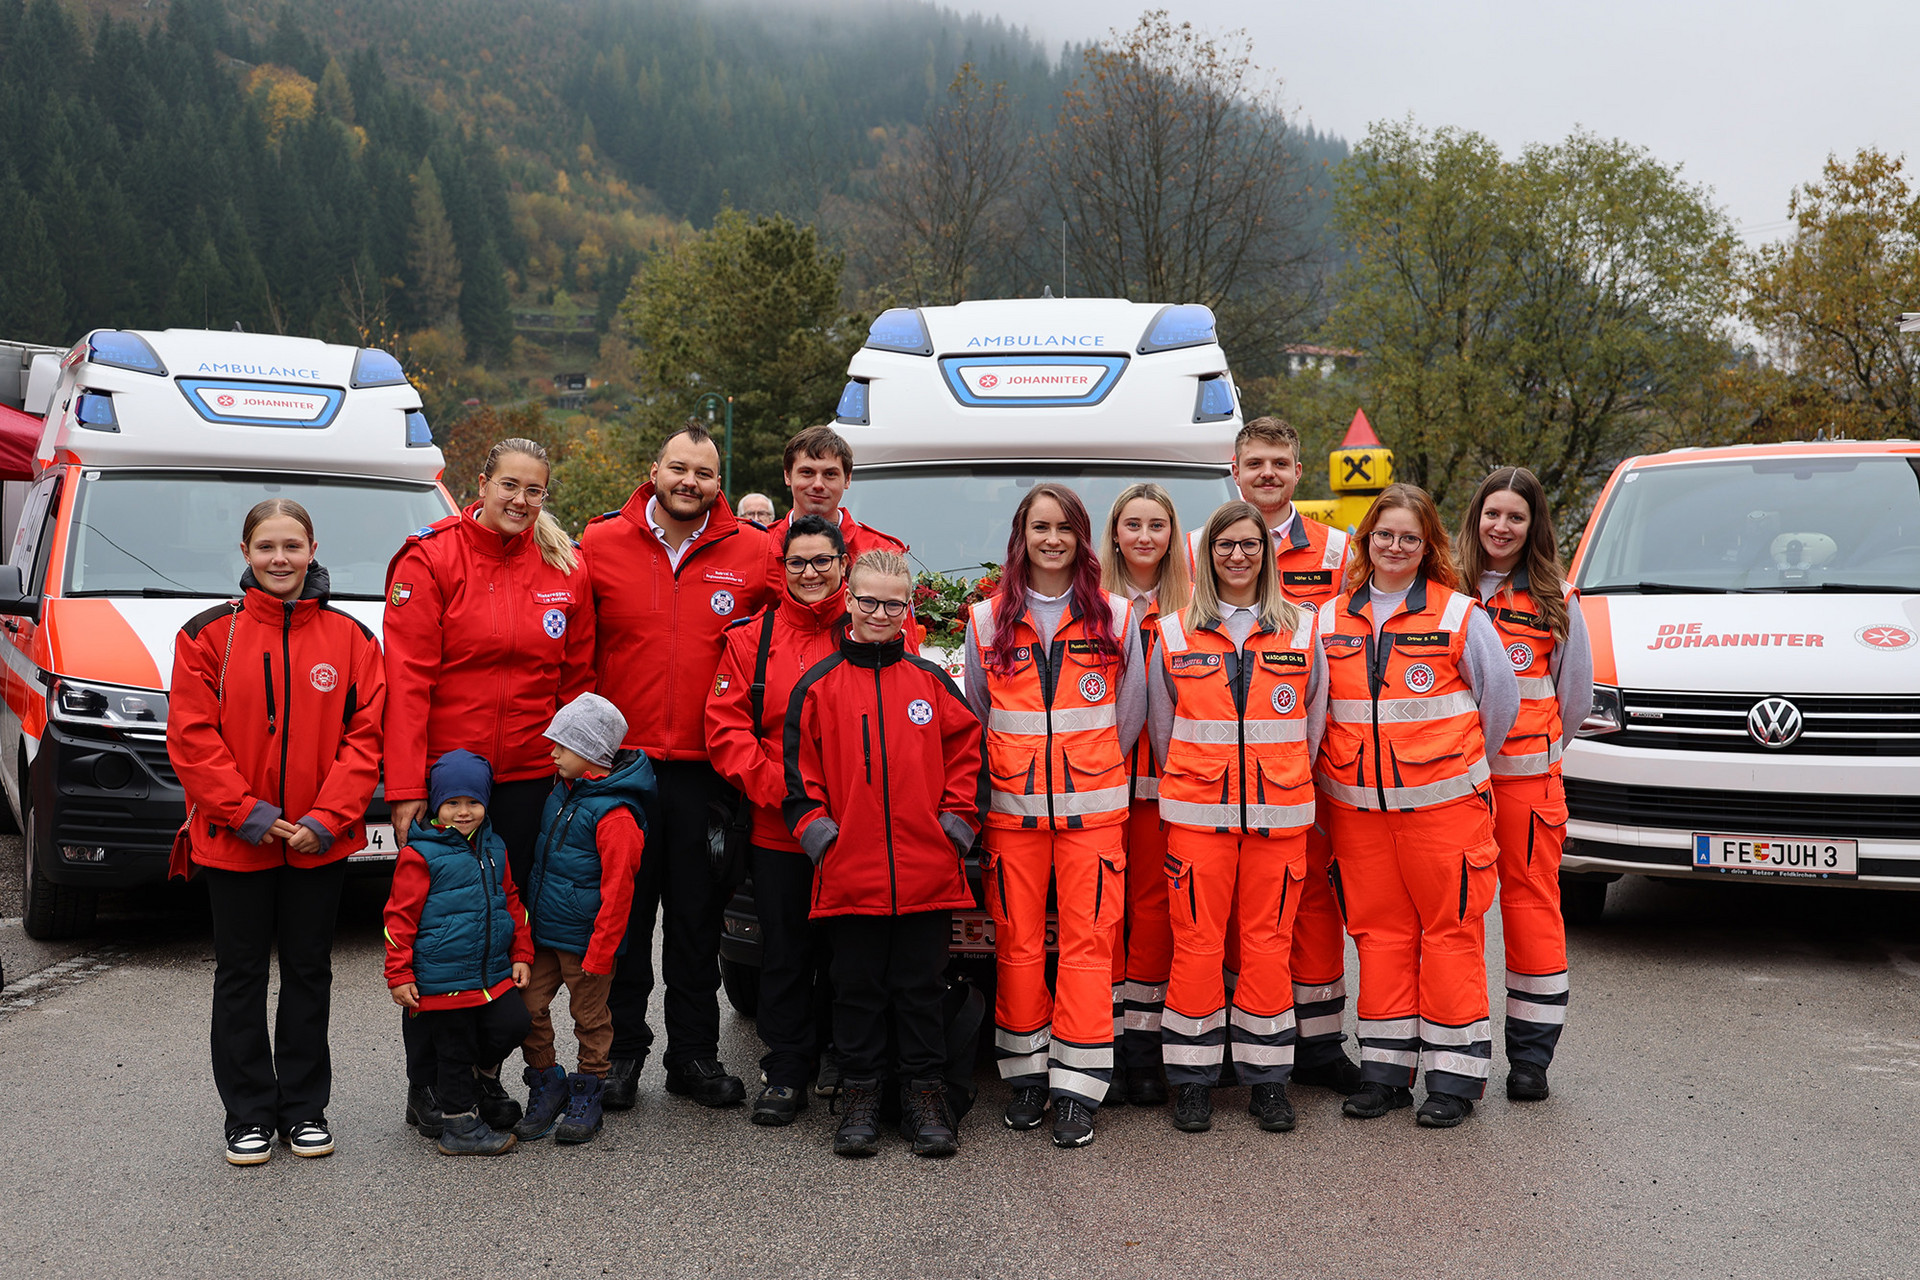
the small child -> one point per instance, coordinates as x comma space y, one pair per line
579, 893
883, 793
457, 950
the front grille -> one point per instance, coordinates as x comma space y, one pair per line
103, 824
1762, 812
1835, 724
153, 754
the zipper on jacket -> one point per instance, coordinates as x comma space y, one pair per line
483, 864
866, 747
1378, 650
886, 792
273, 716
1242, 680
500, 706
286, 678
1048, 663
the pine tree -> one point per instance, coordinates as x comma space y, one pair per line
485, 313
432, 258
33, 304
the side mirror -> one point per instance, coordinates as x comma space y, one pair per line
14, 599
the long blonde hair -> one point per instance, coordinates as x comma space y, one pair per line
1277, 613
1175, 586
556, 548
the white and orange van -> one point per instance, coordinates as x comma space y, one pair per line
155, 446
1755, 616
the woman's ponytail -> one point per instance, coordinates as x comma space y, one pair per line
556, 548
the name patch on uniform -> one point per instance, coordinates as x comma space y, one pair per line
725, 575
1341, 642
1284, 658
1081, 646
1421, 637
401, 593
1308, 578
1187, 660
1515, 616
553, 597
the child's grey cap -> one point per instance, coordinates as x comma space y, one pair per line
590, 727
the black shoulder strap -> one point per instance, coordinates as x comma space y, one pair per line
758, 690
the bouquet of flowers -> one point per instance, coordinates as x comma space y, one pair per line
940, 603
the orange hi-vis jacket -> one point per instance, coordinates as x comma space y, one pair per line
1237, 762
1053, 741
1145, 776
1311, 564
1403, 725
1532, 748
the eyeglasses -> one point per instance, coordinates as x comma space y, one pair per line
1248, 547
797, 565
532, 494
1384, 538
874, 604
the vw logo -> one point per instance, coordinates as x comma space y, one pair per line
1774, 722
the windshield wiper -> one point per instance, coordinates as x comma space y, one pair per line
159, 593
1653, 589
1858, 588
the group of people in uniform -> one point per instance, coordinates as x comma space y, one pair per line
1224, 752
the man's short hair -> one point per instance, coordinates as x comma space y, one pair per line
818, 442
1267, 431
694, 431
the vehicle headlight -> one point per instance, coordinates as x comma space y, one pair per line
101, 704
1608, 715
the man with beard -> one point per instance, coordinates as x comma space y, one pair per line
669, 572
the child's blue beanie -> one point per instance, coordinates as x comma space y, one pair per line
458, 773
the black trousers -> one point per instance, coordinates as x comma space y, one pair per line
890, 965
453, 1042
273, 1085
675, 883
796, 999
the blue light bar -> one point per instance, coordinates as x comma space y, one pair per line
95, 412
375, 368
118, 349
419, 434
853, 404
1187, 324
1215, 403
900, 329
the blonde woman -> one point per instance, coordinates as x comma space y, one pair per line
1235, 704
1142, 561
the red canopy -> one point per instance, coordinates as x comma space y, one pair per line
19, 441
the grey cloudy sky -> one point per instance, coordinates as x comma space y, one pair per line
1750, 97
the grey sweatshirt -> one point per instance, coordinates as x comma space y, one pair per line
1130, 699
1238, 624
1571, 663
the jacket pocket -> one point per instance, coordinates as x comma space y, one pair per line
1011, 767
1095, 769
1341, 755
1284, 792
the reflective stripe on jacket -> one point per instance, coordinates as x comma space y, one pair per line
1053, 744
1532, 747
1237, 761
1403, 725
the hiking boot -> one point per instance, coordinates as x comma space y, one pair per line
1072, 1122
1443, 1111
1342, 1075
1028, 1105
1144, 1087
1373, 1099
707, 1083
466, 1134
1271, 1108
923, 1118
546, 1099
491, 1101
250, 1144
778, 1104
582, 1119
858, 1102
1193, 1108
1526, 1082
309, 1138
826, 1081
622, 1085
423, 1110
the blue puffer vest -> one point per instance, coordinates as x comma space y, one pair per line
465, 939
563, 888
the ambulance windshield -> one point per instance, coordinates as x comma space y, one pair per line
1832, 523
955, 517
178, 532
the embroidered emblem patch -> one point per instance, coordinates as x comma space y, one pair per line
324, 677
1093, 686
721, 683
1283, 698
554, 623
920, 711
1419, 677
1520, 656
722, 602
401, 593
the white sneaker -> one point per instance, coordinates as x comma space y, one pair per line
251, 1145
309, 1138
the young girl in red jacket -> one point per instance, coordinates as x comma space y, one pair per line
883, 793
274, 729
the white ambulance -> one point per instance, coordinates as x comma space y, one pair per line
155, 447
954, 413
1755, 615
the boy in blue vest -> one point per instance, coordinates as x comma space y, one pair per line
457, 952
579, 891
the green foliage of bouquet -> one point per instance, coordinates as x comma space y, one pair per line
940, 604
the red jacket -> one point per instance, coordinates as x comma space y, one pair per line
803, 634
297, 736
884, 781
485, 641
411, 882
658, 630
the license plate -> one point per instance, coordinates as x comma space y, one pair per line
381, 846
1795, 857
973, 933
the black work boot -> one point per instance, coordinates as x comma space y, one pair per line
467, 1134
622, 1084
1027, 1106
423, 1110
1342, 1075
1072, 1122
858, 1102
1373, 1099
707, 1083
1443, 1111
491, 1101
1526, 1082
923, 1118
1271, 1108
778, 1104
1193, 1108
1145, 1087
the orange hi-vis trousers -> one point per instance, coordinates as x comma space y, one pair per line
1530, 824
1143, 945
1319, 956
1061, 1039
1256, 881
1416, 885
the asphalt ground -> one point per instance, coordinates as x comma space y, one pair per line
1736, 1095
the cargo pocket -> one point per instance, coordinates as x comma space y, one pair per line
1546, 836
1478, 877
1342, 756
1110, 890
1098, 782
1285, 798
1181, 895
